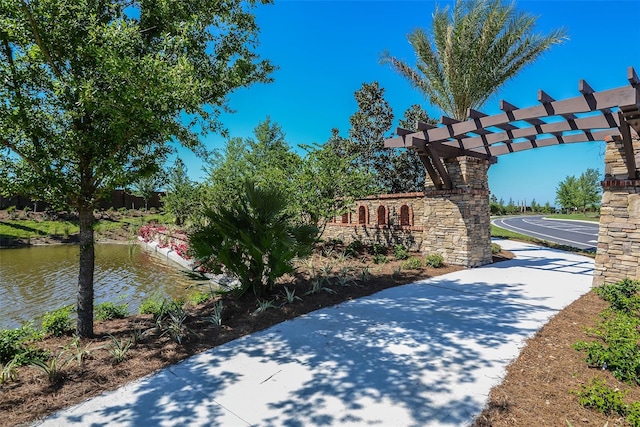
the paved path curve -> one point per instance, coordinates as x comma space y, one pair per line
423, 354
578, 234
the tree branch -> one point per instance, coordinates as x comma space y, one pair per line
20, 98
39, 41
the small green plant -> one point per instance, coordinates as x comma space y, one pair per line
139, 333
263, 305
633, 414
378, 249
597, 395
160, 308
412, 263
396, 271
119, 349
344, 278
617, 346
290, 295
353, 249
57, 322
496, 248
78, 352
328, 252
199, 297
317, 285
175, 325
152, 305
14, 344
365, 274
216, 317
434, 260
52, 368
9, 371
326, 269
622, 296
341, 258
380, 259
109, 310
400, 252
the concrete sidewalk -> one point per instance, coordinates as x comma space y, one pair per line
423, 354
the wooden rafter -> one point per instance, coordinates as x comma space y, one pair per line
588, 117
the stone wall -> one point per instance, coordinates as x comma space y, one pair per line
454, 223
618, 253
385, 208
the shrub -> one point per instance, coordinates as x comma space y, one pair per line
380, 259
160, 307
633, 414
151, 305
400, 252
57, 322
434, 260
198, 297
14, 345
622, 296
496, 248
602, 398
109, 311
354, 248
378, 249
256, 239
412, 263
617, 349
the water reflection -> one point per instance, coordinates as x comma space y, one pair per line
36, 279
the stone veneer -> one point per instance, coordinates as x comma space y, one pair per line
618, 253
454, 223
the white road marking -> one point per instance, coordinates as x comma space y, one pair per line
545, 224
552, 238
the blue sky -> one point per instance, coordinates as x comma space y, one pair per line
325, 50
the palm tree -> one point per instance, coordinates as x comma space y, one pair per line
472, 53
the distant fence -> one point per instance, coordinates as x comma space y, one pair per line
119, 199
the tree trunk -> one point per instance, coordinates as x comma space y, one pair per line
85, 277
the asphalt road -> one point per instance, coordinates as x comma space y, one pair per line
579, 234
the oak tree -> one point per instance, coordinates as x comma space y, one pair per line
93, 91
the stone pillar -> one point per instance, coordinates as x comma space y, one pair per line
456, 222
618, 253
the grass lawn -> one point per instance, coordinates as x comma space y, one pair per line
30, 228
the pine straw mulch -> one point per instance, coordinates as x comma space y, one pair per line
535, 390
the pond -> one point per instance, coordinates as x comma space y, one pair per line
37, 279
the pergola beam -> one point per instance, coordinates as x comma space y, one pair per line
629, 157
594, 122
588, 117
437, 163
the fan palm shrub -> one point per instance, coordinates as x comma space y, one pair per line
255, 240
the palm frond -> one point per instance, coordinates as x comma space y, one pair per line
473, 51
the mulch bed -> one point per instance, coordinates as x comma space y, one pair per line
33, 397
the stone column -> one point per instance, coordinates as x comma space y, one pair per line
618, 253
456, 222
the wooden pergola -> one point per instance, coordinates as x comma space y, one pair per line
592, 116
